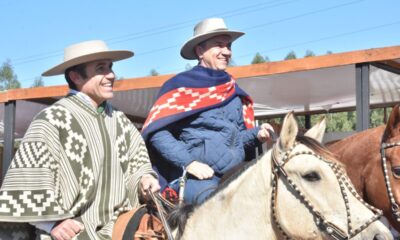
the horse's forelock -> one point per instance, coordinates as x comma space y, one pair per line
318, 148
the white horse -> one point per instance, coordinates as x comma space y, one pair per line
295, 191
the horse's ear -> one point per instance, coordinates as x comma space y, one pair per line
318, 130
288, 133
393, 126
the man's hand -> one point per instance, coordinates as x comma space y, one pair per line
67, 229
263, 134
148, 182
200, 170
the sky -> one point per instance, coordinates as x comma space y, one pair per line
35, 33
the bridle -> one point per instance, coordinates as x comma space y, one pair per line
394, 205
324, 225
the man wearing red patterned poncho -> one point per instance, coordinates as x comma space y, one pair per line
202, 121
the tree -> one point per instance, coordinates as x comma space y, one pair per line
38, 82
309, 53
8, 79
291, 55
258, 59
341, 122
377, 116
153, 72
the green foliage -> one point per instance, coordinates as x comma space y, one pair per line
38, 82
153, 72
346, 121
309, 53
340, 121
377, 116
8, 80
291, 55
258, 59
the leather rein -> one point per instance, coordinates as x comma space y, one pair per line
159, 201
323, 224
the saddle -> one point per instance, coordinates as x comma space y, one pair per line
147, 222
139, 224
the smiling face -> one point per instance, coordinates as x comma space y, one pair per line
215, 53
98, 84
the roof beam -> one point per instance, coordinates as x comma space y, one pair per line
390, 66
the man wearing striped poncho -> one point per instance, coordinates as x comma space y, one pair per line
81, 162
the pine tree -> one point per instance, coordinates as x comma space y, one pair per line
38, 82
309, 53
291, 55
258, 59
153, 72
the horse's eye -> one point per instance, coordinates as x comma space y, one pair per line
396, 172
312, 177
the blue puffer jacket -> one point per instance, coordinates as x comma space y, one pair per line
217, 137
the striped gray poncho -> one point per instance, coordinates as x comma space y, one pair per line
75, 163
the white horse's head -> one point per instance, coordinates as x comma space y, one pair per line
313, 188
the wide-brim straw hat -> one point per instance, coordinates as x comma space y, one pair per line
204, 30
86, 52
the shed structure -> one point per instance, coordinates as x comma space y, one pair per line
346, 81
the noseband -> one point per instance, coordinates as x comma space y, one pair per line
394, 206
324, 225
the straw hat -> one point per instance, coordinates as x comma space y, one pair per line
86, 52
204, 30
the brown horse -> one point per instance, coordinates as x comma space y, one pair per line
372, 160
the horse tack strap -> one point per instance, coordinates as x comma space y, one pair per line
335, 232
161, 212
330, 228
393, 202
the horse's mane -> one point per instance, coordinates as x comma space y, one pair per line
317, 147
178, 217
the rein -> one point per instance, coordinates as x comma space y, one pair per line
328, 227
158, 201
394, 205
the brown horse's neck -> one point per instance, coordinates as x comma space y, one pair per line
360, 153
363, 142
